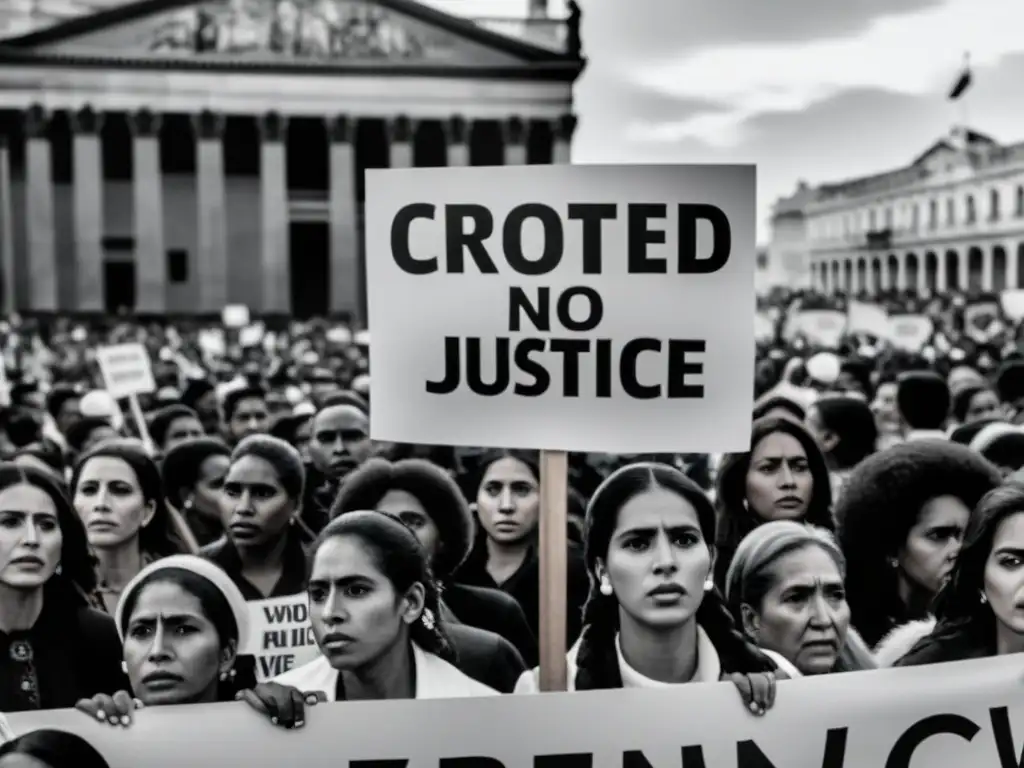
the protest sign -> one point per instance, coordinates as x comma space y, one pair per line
1012, 302
866, 318
948, 716
235, 315
821, 327
910, 332
126, 370
568, 308
280, 635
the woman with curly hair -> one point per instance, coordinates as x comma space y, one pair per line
978, 611
783, 477
426, 498
653, 618
901, 521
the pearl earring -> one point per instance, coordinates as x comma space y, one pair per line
984, 599
709, 584
606, 587
228, 674
124, 667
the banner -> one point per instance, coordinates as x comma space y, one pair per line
867, 318
280, 636
821, 327
1012, 301
546, 294
910, 332
961, 715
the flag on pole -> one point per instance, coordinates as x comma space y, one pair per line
963, 81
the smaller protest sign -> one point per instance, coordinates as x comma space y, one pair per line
280, 635
126, 370
235, 316
822, 327
1012, 302
910, 332
869, 319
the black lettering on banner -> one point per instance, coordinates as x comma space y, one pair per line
639, 236
1003, 734
512, 239
297, 613
679, 368
272, 666
470, 762
529, 366
749, 754
539, 312
689, 214
627, 369
903, 750
377, 763
458, 240
400, 251
275, 639
570, 349
575, 760
592, 215
594, 316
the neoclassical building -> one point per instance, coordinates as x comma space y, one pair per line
175, 156
953, 219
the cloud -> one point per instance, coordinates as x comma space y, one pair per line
909, 54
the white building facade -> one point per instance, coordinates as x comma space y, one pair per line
953, 220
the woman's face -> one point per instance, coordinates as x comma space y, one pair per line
508, 501
172, 652
303, 434
181, 429
658, 560
255, 508
884, 407
30, 537
779, 482
110, 501
1003, 582
356, 614
983, 405
804, 616
931, 547
206, 494
411, 511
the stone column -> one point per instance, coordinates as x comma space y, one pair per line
564, 128
211, 197
1012, 267
963, 269
400, 133
347, 278
88, 209
987, 267
148, 195
42, 249
941, 283
7, 268
515, 132
456, 131
274, 241
901, 272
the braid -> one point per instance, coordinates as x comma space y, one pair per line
596, 664
736, 653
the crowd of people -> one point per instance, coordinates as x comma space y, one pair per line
877, 520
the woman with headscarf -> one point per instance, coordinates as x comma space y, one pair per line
193, 474
845, 429
373, 610
901, 520
782, 477
785, 588
653, 617
118, 494
262, 549
977, 613
504, 556
54, 648
183, 624
426, 498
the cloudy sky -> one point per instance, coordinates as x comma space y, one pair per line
820, 90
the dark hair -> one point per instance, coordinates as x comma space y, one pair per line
46, 451
159, 537
283, 457
735, 519
77, 577
770, 403
81, 430
398, 555
596, 661
346, 397
851, 420
59, 395
923, 400
161, 420
881, 502
21, 424
236, 396
477, 466
287, 426
965, 625
431, 486
965, 433
56, 749
180, 467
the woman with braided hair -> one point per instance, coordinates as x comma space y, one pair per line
653, 617
978, 613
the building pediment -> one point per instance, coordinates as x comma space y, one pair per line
285, 31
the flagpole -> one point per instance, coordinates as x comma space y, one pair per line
964, 107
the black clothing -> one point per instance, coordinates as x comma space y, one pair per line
293, 575
495, 611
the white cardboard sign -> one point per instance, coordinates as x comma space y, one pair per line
577, 308
280, 635
126, 370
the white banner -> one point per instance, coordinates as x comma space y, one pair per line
962, 715
910, 332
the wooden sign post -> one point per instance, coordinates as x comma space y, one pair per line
554, 545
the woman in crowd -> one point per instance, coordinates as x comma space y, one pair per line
48, 748
193, 473
1002, 444
978, 611
976, 401
119, 496
172, 424
182, 623
426, 498
373, 609
295, 429
653, 617
260, 503
782, 477
845, 429
785, 588
887, 417
901, 520
504, 555
55, 648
